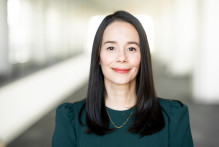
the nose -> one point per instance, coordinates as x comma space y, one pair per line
122, 57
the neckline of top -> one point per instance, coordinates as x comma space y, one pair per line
126, 110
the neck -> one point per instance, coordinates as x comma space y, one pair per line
120, 97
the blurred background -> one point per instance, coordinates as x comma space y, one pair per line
45, 50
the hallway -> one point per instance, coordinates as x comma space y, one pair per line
204, 119
45, 51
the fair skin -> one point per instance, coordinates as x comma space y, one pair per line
120, 61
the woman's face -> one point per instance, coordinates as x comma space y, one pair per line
120, 53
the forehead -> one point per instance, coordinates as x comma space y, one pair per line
121, 30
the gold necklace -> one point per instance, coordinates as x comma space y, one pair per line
123, 123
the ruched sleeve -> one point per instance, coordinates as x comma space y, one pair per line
179, 127
64, 134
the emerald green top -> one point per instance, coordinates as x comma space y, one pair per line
69, 133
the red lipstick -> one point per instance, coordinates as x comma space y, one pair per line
122, 71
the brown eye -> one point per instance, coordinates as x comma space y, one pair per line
131, 49
110, 48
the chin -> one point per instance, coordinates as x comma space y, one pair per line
122, 81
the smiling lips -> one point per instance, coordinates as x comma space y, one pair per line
121, 71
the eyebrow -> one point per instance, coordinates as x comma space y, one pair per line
129, 42
133, 42
109, 42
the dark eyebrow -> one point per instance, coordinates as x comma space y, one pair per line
109, 42
133, 42
130, 42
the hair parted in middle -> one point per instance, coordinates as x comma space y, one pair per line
148, 115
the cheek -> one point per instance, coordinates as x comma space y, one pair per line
136, 60
105, 59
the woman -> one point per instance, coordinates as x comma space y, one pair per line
121, 108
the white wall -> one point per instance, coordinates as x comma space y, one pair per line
25, 101
206, 72
4, 64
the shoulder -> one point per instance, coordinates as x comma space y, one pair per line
70, 110
66, 124
173, 107
169, 103
176, 116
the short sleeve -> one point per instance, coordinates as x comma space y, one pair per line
179, 127
64, 133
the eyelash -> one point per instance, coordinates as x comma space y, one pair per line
130, 48
110, 48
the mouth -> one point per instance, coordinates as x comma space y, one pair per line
121, 71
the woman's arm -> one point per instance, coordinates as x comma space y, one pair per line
179, 127
64, 134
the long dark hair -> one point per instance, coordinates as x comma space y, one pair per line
148, 116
